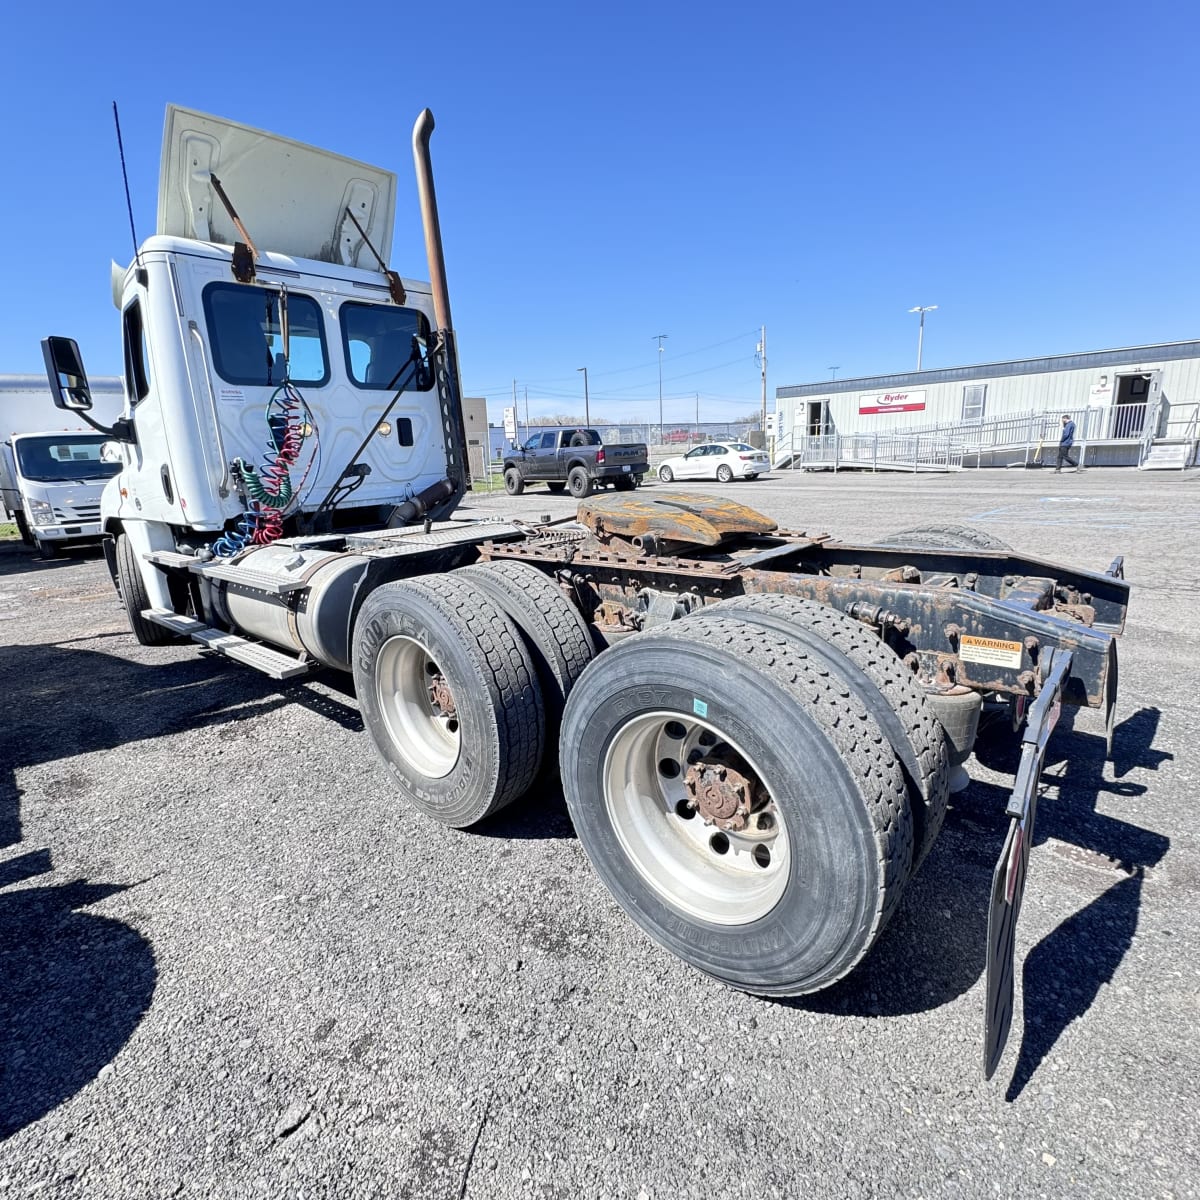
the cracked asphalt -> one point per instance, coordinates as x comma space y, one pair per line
233, 964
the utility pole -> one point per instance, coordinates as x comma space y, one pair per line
762, 352
660, 338
587, 412
697, 416
921, 328
516, 410
526, 408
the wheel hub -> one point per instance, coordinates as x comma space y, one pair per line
441, 697
722, 792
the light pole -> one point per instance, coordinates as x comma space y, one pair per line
660, 338
921, 328
833, 371
587, 412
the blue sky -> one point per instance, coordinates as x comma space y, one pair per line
611, 172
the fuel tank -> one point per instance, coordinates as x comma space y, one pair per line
298, 600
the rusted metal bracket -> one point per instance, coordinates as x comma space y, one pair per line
1008, 880
395, 287
244, 253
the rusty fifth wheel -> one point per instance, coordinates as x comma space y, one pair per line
449, 695
740, 803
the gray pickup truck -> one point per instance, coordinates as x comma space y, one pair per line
575, 459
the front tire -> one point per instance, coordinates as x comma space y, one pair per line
756, 825
449, 696
557, 487
132, 590
579, 483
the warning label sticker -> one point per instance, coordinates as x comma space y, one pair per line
993, 651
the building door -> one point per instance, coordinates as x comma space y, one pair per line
818, 418
1130, 404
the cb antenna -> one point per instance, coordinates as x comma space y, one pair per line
137, 255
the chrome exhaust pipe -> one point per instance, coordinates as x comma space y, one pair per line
422, 131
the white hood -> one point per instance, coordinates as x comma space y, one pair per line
290, 197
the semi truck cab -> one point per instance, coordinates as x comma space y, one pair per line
280, 379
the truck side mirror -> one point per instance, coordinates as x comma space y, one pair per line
64, 368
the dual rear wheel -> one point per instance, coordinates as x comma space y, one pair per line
754, 784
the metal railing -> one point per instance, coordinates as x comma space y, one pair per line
900, 451
948, 446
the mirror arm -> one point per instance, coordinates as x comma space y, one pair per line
121, 430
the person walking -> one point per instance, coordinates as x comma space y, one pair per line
1065, 442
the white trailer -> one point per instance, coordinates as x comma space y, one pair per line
51, 471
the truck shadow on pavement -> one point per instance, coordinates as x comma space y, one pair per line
74, 985
933, 950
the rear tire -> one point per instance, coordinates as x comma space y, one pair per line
132, 590
449, 696
556, 635
790, 901
625, 483
943, 537
579, 483
880, 681
724, 474
514, 483
666, 474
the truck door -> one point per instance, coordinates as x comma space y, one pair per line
541, 461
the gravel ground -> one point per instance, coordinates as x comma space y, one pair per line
231, 964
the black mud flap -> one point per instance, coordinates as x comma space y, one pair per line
1008, 881
1110, 700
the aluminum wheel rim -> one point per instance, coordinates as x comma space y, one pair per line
422, 733
721, 876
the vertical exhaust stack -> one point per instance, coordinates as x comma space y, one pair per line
422, 131
449, 386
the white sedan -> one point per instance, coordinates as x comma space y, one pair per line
724, 461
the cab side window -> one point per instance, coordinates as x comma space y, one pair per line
137, 363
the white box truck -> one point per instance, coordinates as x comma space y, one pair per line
51, 472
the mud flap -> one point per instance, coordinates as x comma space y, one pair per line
1110, 700
1008, 881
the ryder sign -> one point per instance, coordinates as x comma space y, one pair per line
892, 402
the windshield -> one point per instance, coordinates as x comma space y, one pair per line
63, 457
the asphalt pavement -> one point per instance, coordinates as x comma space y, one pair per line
233, 963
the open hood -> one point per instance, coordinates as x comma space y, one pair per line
290, 197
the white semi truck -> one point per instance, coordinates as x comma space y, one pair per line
756, 730
51, 470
